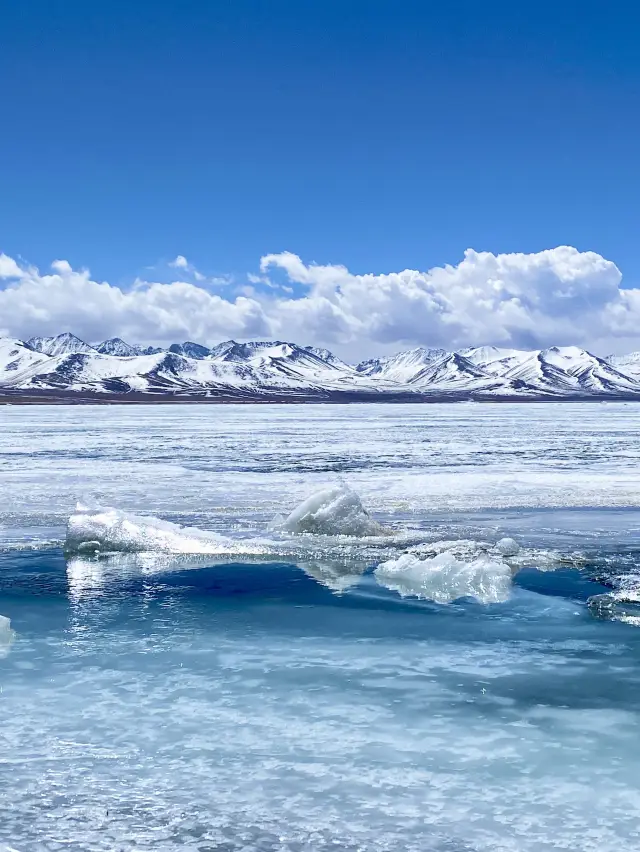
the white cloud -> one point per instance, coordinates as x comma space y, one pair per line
559, 295
181, 262
556, 296
8, 267
267, 282
70, 300
61, 266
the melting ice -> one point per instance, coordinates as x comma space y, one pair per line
112, 530
332, 511
444, 578
405, 662
331, 536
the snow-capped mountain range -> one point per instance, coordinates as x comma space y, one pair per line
65, 366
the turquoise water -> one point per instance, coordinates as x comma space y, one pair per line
211, 702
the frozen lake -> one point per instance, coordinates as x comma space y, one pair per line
392, 676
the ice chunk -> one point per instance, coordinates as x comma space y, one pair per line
462, 548
444, 578
507, 547
506, 550
332, 511
7, 635
111, 530
467, 549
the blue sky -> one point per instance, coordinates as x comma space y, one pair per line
378, 135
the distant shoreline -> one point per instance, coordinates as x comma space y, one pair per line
72, 398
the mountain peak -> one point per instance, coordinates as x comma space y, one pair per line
279, 369
190, 349
118, 347
403, 366
325, 355
62, 344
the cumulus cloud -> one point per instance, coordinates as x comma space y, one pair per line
35, 303
557, 296
8, 267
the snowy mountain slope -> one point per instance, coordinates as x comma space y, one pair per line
450, 371
495, 360
16, 358
569, 369
117, 346
111, 374
62, 344
88, 371
190, 349
403, 366
290, 364
121, 349
629, 364
327, 356
278, 369
558, 370
278, 353
590, 372
455, 373
269, 368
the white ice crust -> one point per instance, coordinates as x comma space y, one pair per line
332, 511
445, 578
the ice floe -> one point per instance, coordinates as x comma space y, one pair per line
508, 547
330, 536
112, 530
332, 511
445, 578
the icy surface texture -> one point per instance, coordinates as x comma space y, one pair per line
444, 578
105, 530
332, 511
282, 696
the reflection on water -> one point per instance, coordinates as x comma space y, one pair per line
249, 706
7, 635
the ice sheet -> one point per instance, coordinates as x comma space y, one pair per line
224, 466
